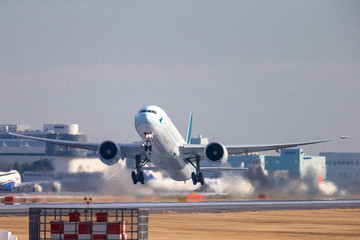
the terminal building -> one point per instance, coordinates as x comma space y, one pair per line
343, 169
296, 164
64, 159
25, 150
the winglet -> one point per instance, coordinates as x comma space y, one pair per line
188, 135
345, 137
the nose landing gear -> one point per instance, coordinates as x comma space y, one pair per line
148, 136
148, 147
138, 175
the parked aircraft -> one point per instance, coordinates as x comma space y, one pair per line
9, 180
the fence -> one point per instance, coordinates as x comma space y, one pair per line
87, 223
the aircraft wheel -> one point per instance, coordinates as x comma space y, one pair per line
201, 178
134, 177
193, 177
141, 177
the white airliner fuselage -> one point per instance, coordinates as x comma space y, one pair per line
165, 141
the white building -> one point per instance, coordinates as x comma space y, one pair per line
343, 169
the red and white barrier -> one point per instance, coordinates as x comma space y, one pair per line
9, 200
100, 226
74, 229
124, 230
71, 230
85, 230
74, 217
57, 230
101, 217
99, 230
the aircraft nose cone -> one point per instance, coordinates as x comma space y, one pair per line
142, 119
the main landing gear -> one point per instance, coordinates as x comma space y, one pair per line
138, 175
197, 176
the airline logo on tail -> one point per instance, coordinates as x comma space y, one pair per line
188, 135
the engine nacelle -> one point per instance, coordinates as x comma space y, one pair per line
109, 152
216, 153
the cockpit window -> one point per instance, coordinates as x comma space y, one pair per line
149, 111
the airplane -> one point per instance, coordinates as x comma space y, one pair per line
166, 149
9, 180
13, 180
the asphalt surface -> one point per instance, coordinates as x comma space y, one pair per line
208, 207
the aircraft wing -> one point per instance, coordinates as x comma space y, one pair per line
127, 150
192, 150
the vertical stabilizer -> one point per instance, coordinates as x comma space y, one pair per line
188, 135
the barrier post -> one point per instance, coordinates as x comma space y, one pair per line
34, 223
143, 224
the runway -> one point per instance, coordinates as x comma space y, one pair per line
186, 207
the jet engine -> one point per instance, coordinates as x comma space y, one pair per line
109, 152
216, 153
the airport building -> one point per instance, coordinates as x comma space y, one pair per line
64, 159
296, 164
14, 149
199, 140
343, 169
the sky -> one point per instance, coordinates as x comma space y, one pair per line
253, 72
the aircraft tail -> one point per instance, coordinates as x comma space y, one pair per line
188, 135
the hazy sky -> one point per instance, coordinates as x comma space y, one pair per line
251, 71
